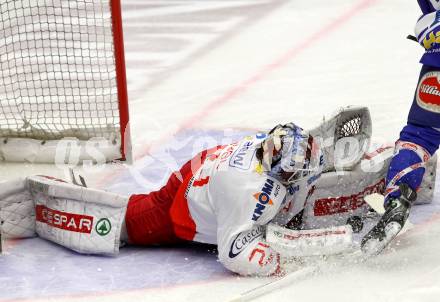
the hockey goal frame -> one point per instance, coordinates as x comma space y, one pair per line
37, 150
121, 76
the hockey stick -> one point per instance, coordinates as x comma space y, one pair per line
412, 38
74, 181
376, 201
267, 288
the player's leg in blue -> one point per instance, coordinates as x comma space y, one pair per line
420, 138
413, 149
427, 6
415, 146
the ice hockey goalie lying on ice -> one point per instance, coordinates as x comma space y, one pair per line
261, 200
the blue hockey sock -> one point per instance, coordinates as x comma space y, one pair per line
414, 148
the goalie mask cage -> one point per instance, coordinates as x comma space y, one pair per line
62, 79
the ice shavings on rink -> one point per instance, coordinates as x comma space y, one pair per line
40, 269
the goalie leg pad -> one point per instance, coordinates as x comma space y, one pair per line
85, 220
425, 194
339, 196
17, 210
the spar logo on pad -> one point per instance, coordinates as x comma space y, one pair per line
103, 227
63, 220
428, 92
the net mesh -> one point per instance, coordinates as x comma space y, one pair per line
350, 127
57, 73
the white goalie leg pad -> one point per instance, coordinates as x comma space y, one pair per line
85, 220
340, 195
425, 194
305, 243
17, 210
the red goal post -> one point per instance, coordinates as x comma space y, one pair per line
63, 88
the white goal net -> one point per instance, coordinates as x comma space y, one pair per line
58, 72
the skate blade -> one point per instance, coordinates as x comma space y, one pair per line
374, 246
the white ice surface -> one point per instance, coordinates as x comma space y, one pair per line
210, 67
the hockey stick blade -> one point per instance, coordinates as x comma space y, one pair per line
412, 38
74, 181
376, 201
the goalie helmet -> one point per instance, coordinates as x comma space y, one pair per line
290, 154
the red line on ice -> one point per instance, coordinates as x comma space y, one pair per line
232, 93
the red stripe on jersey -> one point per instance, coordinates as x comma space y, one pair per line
201, 182
183, 223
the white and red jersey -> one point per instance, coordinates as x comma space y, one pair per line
229, 200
